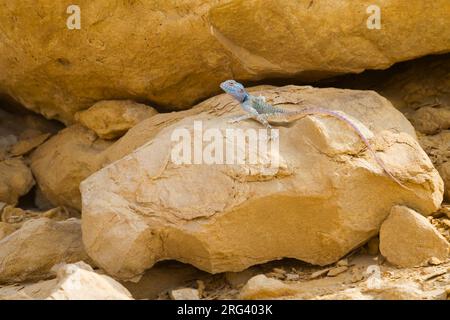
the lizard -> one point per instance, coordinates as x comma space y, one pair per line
257, 108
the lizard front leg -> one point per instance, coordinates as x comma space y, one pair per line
260, 117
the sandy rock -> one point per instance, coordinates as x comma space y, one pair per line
111, 119
74, 282
404, 291
6, 229
31, 251
437, 147
411, 86
18, 216
140, 209
186, 56
336, 271
24, 146
185, 294
15, 180
319, 273
76, 152
73, 154
260, 287
407, 239
79, 282
13, 215
431, 120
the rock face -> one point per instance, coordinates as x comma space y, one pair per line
31, 251
438, 148
15, 180
407, 239
177, 54
112, 119
75, 153
76, 281
325, 198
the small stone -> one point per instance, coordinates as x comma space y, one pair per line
185, 294
24, 146
13, 215
276, 275
446, 222
261, 287
319, 273
434, 261
111, 119
407, 239
200, 287
335, 271
292, 277
343, 262
279, 271
356, 277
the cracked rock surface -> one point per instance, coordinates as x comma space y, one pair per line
328, 196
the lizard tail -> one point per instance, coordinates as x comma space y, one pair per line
314, 110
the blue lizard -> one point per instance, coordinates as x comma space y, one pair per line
257, 108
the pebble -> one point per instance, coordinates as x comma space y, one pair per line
338, 270
185, 294
319, 273
292, 277
342, 263
434, 261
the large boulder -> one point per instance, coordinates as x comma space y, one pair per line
175, 54
327, 196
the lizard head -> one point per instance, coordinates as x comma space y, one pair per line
234, 89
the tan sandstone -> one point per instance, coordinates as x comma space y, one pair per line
407, 239
326, 198
15, 180
76, 152
111, 119
175, 55
76, 281
438, 148
31, 251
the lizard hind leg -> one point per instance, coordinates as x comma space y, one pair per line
240, 118
262, 118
